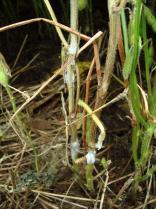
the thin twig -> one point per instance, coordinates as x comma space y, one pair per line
104, 191
148, 192
50, 194
51, 22
90, 41
124, 187
52, 14
66, 122
20, 51
86, 100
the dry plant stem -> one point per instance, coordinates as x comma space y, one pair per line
97, 196
23, 94
12, 124
104, 190
88, 79
51, 22
89, 74
90, 41
74, 25
78, 87
123, 189
21, 158
66, 122
67, 192
20, 51
148, 192
110, 59
50, 194
70, 83
60, 199
148, 203
70, 73
35, 200
121, 46
98, 71
99, 79
52, 14
96, 120
103, 183
86, 101
97, 62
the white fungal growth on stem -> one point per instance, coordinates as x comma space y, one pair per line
75, 148
90, 157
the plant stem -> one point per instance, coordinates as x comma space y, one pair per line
70, 73
144, 34
74, 25
52, 14
98, 123
135, 97
71, 68
124, 28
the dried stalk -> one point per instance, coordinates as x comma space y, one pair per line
69, 76
52, 14
111, 54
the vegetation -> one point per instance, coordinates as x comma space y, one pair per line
56, 138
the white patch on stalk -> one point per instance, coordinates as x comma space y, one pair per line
75, 148
69, 78
72, 49
100, 140
90, 157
